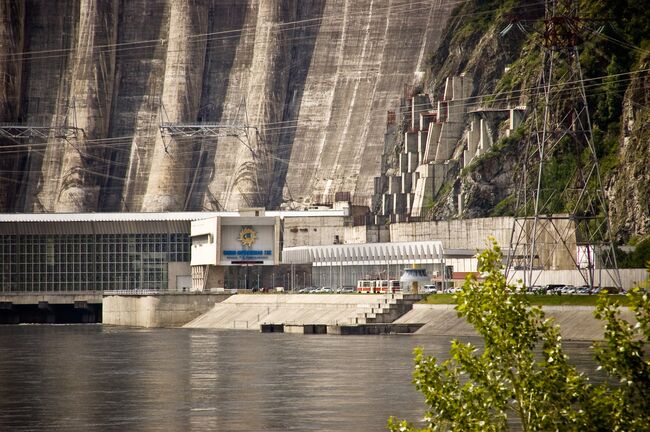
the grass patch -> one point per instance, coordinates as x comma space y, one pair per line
572, 300
439, 299
537, 300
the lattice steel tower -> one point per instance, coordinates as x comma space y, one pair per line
561, 219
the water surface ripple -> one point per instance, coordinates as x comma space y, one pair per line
83, 377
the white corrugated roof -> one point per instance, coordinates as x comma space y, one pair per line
366, 253
146, 217
106, 217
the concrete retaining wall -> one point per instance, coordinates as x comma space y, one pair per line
576, 322
456, 234
161, 310
248, 312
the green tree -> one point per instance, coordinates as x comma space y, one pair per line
622, 403
521, 375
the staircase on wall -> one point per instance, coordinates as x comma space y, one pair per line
386, 310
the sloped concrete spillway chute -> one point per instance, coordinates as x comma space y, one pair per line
364, 54
311, 81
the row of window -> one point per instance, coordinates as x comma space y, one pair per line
87, 248
177, 245
79, 262
98, 238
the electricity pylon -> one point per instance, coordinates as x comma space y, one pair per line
561, 220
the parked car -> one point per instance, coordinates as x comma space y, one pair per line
553, 289
428, 289
306, 290
569, 289
323, 290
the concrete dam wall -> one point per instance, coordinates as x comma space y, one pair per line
295, 92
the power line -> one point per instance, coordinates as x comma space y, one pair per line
281, 27
116, 144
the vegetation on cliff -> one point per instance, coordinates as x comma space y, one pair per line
483, 40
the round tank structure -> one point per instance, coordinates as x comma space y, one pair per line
413, 279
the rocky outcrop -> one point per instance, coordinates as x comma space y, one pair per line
629, 187
504, 63
488, 184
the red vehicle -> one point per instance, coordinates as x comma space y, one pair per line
379, 286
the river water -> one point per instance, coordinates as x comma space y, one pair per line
94, 377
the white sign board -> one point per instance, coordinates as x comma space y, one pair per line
247, 244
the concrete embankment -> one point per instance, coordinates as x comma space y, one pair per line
576, 322
250, 311
159, 310
321, 313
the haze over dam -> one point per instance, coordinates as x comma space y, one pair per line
304, 87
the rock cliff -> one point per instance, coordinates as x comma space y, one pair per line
629, 185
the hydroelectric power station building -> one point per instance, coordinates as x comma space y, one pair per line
90, 252
72, 260
58, 267
190, 251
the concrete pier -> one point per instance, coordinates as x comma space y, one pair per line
352, 329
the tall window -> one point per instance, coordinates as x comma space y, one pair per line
87, 262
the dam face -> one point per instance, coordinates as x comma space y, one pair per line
299, 91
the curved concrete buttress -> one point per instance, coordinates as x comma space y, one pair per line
49, 27
91, 93
302, 49
251, 160
222, 74
230, 101
12, 20
171, 167
139, 76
